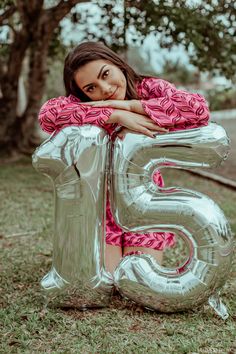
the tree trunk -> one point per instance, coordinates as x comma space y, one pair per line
36, 83
37, 27
9, 88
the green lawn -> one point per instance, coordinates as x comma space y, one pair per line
25, 236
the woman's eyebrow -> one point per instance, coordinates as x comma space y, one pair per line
99, 74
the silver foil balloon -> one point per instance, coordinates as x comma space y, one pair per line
139, 205
76, 161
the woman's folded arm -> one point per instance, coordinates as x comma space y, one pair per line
171, 107
62, 111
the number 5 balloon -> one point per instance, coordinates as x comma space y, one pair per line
76, 160
140, 206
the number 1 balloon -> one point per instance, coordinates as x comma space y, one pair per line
76, 159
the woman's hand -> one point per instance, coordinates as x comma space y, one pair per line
123, 131
136, 122
124, 115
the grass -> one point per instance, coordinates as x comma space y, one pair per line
27, 327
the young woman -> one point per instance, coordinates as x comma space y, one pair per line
103, 90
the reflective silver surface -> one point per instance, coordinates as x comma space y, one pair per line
76, 161
139, 205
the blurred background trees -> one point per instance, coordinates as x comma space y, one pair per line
31, 27
34, 43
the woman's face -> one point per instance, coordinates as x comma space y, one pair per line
101, 80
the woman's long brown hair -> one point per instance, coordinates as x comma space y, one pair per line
89, 51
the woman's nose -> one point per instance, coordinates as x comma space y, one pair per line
106, 89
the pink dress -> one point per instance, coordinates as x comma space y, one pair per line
164, 104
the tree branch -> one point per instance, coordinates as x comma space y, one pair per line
8, 13
56, 13
2, 69
11, 27
23, 11
28, 11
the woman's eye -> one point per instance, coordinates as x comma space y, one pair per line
90, 89
105, 74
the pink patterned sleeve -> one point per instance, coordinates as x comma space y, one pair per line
170, 107
61, 112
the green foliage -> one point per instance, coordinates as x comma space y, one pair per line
222, 99
110, 26
6, 3
54, 83
207, 30
179, 73
4, 51
57, 49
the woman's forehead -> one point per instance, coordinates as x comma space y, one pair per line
90, 71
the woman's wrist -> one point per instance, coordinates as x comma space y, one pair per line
136, 107
115, 117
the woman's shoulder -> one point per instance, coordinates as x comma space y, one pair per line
61, 101
153, 80
65, 99
151, 85
73, 98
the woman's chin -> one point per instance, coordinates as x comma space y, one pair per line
120, 96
